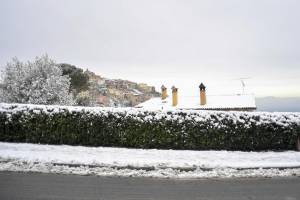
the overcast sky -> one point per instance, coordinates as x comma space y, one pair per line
164, 41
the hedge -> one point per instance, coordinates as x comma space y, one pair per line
135, 128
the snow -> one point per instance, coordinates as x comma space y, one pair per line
193, 102
136, 92
139, 162
248, 118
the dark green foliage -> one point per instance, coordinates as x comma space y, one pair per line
219, 131
79, 80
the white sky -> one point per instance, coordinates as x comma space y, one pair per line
164, 41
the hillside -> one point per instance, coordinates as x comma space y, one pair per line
91, 89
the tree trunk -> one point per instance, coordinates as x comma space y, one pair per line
298, 143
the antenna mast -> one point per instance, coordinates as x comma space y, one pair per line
243, 83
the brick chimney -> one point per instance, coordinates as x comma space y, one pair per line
164, 94
202, 94
174, 96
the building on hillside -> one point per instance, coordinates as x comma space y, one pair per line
237, 102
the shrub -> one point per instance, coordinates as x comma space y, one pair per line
36, 82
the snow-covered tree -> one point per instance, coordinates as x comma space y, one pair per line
37, 82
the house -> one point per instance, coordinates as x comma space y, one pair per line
236, 102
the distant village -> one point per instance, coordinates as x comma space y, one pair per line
117, 92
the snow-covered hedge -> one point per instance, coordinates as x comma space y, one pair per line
137, 128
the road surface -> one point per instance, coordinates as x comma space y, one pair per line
52, 186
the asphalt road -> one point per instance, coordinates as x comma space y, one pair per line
51, 186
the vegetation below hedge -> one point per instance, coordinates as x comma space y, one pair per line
135, 128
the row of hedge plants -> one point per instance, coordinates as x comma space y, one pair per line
134, 128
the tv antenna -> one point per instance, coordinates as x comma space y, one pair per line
242, 80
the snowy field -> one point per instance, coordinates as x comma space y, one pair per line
105, 161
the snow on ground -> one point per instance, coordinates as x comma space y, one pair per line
106, 161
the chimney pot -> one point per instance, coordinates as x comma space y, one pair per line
164, 94
174, 96
202, 94
202, 86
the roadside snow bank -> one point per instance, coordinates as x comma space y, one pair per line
19, 166
149, 163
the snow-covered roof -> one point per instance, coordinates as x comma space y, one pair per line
136, 92
213, 102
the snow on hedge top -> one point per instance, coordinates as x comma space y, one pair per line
247, 118
193, 102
